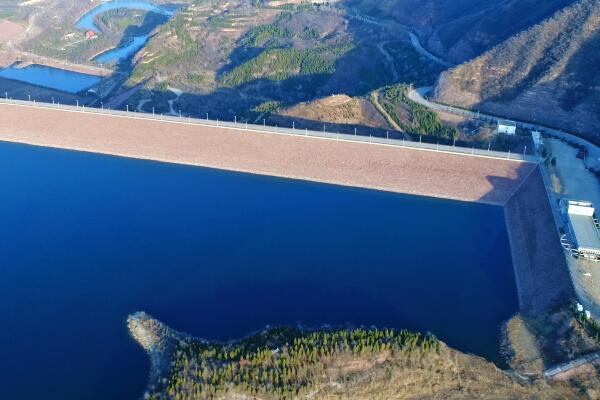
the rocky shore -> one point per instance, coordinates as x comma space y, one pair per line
159, 341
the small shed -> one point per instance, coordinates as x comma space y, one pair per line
507, 127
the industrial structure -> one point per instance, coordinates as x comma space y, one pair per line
583, 228
507, 127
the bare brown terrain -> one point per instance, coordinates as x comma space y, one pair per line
547, 74
338, 109
373, 166
9, 30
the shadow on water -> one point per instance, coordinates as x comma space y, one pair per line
124, 65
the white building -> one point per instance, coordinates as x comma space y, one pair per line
584, 229
507, 127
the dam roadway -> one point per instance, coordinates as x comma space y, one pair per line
373, 163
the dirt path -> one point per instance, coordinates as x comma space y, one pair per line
390, 59
383, 112
122, 97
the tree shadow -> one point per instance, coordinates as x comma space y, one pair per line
363, 61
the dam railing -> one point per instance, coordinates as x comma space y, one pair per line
244, 126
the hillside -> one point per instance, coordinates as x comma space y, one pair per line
459, 30
548, 73
337, 110
287, 363
242, 57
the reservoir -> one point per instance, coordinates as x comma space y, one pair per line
87, 239
86, 22
53, 78
131, 44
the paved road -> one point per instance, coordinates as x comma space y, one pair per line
585, 288
568, 366
414, 39
419, 95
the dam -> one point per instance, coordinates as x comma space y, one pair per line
373, 163
227, 248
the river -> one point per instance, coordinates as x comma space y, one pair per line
87, 239
74, 82
132, 44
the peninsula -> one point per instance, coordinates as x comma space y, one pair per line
286, 363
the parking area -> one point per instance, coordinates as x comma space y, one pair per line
569, 178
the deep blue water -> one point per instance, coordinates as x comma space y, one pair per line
86, 22
54, 78
87, 239
134, 44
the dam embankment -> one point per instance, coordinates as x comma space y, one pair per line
358, 164
541, 273
538, 262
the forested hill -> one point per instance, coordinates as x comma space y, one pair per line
549, 73
459, 30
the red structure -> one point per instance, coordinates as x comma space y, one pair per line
90, 35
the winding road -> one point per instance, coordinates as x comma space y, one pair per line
419, 95
414, 39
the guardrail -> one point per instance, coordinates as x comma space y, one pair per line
244, 126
